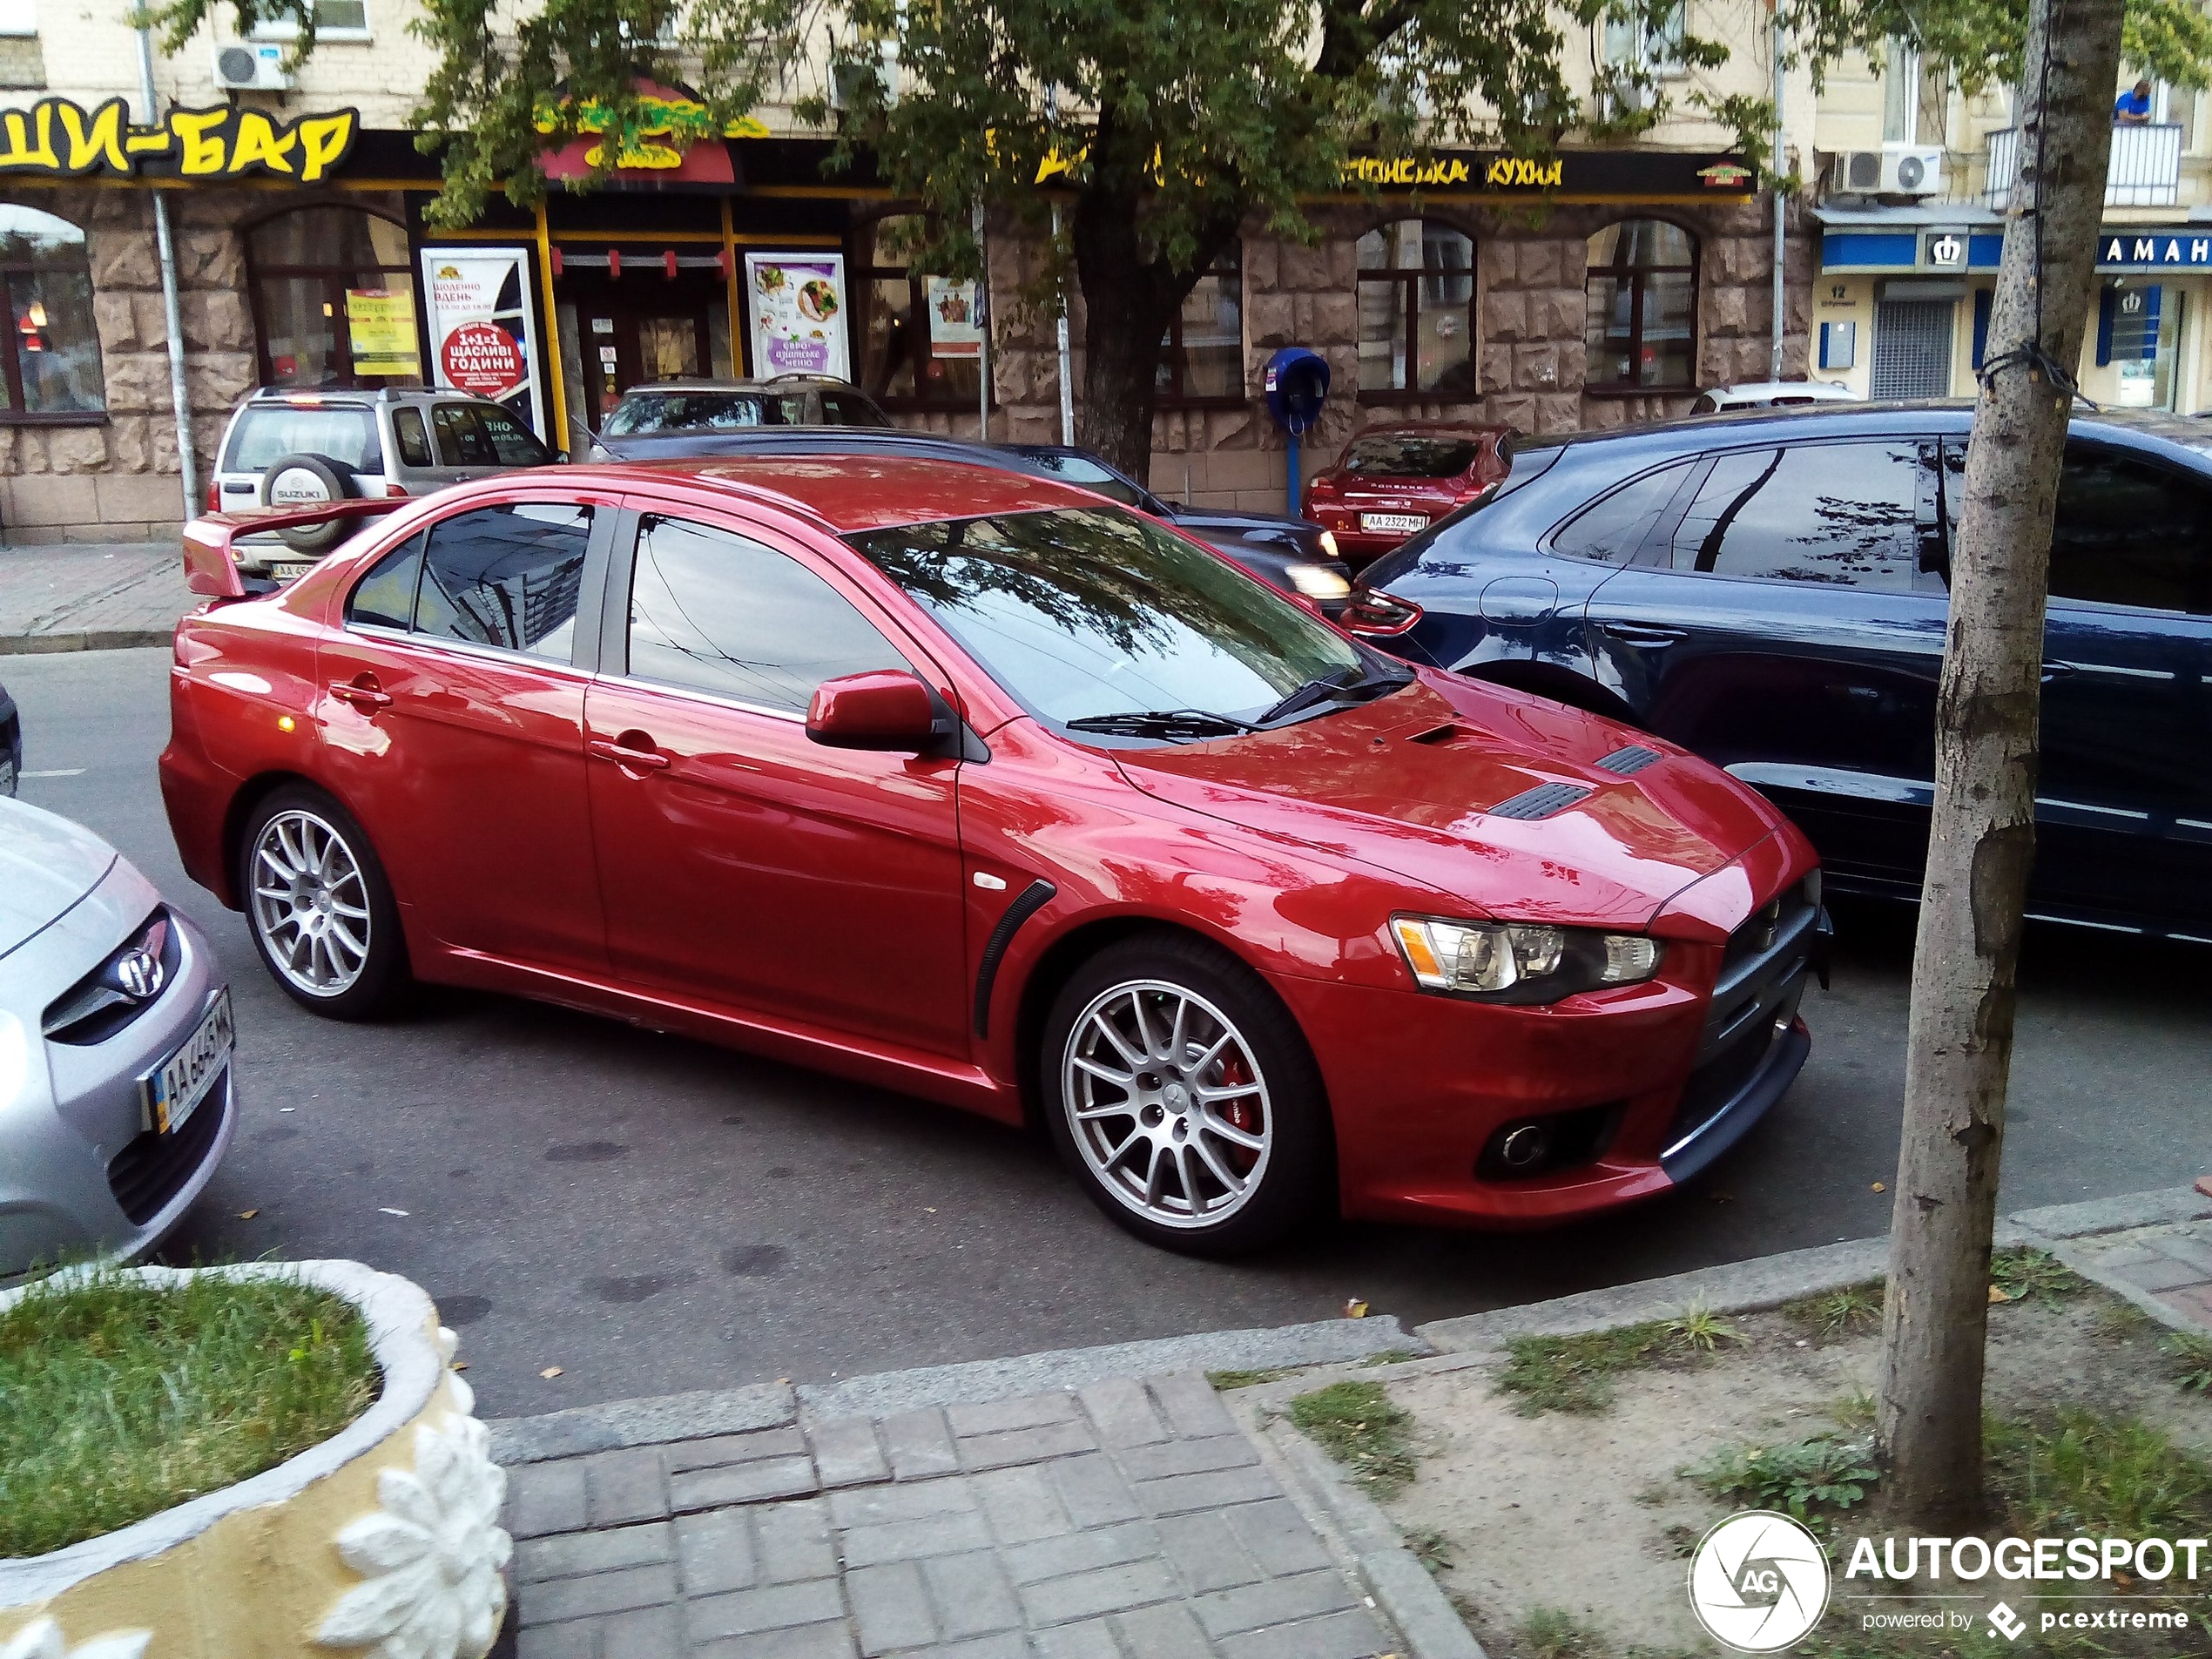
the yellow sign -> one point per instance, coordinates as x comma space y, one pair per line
658, 118
1403, 170
380, 331
57, 138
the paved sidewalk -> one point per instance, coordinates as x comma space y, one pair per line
2172, 1265
91, 596
1126, 1519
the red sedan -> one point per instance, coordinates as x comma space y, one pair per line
977, 786
1392, 480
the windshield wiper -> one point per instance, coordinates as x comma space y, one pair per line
1344, 684
1161, 722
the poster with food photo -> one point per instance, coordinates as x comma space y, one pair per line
796, 305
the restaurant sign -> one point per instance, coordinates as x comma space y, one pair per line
59, 139
1589, 174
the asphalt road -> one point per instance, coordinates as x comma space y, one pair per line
652, 1214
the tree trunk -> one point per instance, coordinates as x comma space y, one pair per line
1983, 835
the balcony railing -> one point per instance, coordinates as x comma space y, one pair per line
2145, 169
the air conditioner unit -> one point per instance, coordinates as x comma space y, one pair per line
1894, 170
255, 68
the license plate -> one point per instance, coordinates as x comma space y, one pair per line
1393, 523
290, 569
173, 1093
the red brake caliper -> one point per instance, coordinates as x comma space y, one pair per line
1244, 1111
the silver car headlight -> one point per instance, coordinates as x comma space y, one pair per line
1516, 962
1318, 583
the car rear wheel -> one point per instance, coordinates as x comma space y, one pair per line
319, 907
308, 481
1183, 1095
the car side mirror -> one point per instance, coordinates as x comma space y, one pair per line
884, 709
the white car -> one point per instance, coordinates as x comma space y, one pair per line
1771, 394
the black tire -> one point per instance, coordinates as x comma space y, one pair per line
1279, 1099
380, 978
283, 485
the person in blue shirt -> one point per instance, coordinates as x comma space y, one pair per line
2131, 108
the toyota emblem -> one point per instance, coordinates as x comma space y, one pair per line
138, 973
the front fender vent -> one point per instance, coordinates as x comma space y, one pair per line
1623, 763
1541, 801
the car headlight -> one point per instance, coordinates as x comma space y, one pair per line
1518, 962
1318, 581
1329, 544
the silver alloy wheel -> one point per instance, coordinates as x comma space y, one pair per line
310, 904
1167, 1104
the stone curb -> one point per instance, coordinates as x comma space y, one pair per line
94, 639
621, 1423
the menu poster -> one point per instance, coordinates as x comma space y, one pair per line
484, 328
955, 319
798, 313
380, 331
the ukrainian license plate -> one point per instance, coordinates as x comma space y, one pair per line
290, 569
187, 1077
1393, 523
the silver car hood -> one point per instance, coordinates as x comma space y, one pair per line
47, 865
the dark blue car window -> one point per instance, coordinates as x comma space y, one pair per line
2128, 532
1841, 514
1611, 530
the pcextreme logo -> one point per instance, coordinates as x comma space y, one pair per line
1759, 1581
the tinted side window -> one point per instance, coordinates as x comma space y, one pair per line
513, 442
714, 613
413, 437
1841, 514
506, 576
843, 409
1612, 529
385, 597
462, 440
2129, 534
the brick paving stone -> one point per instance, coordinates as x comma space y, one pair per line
1353, 1633
770, 1607
579, 1640
1121, 1412
890, 1607
1008, 1644
567, 1555
918, 1444
2184, 1249
714, 1553
1105, 1589
2114, 1256
1021, 1504
1167, 1631
1192, 1408
1186, 1457
1181, 1494
1025, 1445
909, 1541
1093, 1639
845, 1453
833, 1639
1079, 1551
872, 1505
616, 1592
1205, 1554
778, 1477
719, 1449
2193, 1305
2162, 1274
1277, 1601
545, 1498
648, 1633
625, 1486
996, 1416
1278, 1536
970, 1594
794, 1541
1093, 1490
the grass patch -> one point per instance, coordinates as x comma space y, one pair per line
119, 1400
1840, 1313
1574, 1374
1390, 1357
2024, 1275
1226, 1380
1431, 1548
1554, 1633
2189, 1360
2080, 1471
1812, 1480
1356, 1424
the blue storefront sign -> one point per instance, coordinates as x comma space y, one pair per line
2180, 247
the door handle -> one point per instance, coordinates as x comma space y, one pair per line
633, 749
1632, 633
363, 692
2057, 672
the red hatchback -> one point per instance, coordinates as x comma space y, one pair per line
977, 786
1393, 480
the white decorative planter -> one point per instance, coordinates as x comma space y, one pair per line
383, 1542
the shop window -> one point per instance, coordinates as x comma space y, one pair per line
49, 364
324, 280
919, 344
1416, 310
1202, 355
1642, 327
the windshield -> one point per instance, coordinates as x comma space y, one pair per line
1402, 454
344, 432
1082, 470
702, 412
1086, 613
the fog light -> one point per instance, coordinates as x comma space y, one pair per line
1524, 1148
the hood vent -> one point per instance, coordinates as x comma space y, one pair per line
1623, 763
1541, 801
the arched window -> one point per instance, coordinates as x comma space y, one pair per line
50, 363
920, 346
1417, 309
1642, 327
325, 281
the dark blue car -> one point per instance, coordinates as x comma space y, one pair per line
1770, 591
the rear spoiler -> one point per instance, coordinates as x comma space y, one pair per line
210, 568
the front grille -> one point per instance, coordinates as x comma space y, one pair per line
1763, 973
153, 1167
108, 998
1540, 802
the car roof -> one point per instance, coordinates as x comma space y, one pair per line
1433, 430
1826, 391
779, 383
849, 495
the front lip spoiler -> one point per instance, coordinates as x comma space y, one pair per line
1690, 1156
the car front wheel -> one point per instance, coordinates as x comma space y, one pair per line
1183, 1094
319, 907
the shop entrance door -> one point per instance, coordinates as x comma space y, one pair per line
640, 329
